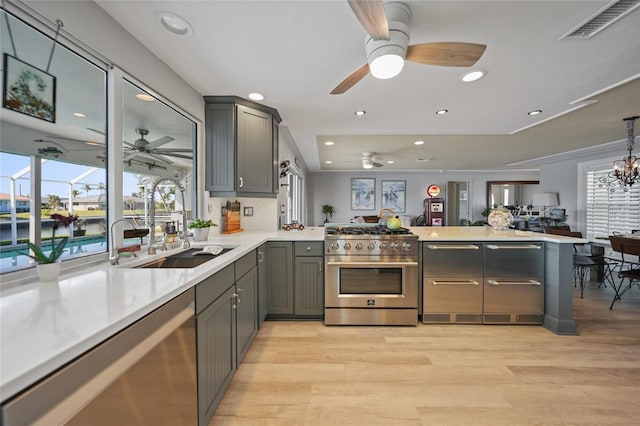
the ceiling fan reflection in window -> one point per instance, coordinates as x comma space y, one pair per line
151, 150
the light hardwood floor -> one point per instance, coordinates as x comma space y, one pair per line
303, 373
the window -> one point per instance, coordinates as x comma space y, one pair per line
607, 211
72, 174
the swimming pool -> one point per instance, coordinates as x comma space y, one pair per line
12, 257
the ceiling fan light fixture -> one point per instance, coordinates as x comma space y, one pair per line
367, 163
473, 76
386, 66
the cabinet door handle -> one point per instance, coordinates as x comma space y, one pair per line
235, 301
260, 257
465, 282
522, 282
240, 295
241, 183
514, 247
308, 248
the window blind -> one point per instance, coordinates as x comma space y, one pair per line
610, 212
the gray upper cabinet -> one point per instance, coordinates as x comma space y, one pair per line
241, 147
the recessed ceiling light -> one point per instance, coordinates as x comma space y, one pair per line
535, 112
174, 24
79, 114
328, 162
390, 162
473, 76
256, 96
360, 113
418, 143
442, 111
145, 97
329, 143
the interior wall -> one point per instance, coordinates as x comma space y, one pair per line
335, 189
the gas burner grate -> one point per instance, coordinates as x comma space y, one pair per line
372, 230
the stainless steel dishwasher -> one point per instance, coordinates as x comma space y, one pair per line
144, 375
514, 283
452, 282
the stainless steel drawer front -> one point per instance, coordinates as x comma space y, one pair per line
449, 260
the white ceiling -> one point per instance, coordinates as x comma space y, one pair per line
296, 52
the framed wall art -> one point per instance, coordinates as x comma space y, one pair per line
393, 195
28, 90
363, 193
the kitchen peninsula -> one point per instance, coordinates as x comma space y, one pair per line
46, 325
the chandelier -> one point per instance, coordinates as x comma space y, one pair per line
626, 171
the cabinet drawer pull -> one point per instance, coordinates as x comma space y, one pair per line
308, 248
241, 183
523, 282
452, 247
466, 282
514, 247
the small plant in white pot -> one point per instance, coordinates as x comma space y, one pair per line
200, 229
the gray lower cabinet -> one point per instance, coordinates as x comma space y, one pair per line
263, 288
247, 303
280, 279
226, 324
309, 279
295, 279
216, 340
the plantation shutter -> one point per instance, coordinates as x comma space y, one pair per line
610, 212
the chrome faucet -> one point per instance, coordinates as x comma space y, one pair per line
152, 216
114, 256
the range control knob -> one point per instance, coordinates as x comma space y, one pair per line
394, 246
335, 246
383, 246
347, 246
358, 246
371, 246
406, 246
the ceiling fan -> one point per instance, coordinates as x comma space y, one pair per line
371, 160
151, 149
387, 44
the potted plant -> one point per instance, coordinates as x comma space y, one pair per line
328, 211
48, 267
201, 229
79, 228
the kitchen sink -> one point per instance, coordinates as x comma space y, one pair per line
185, 259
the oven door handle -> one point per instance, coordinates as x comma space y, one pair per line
371, 264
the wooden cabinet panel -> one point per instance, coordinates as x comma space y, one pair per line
280, 277
309, 286
216, 337
247, 312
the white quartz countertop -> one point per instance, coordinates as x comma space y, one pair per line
45, 325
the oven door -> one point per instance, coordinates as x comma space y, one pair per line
371, 284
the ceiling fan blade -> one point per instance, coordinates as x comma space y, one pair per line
129, 144
372, 17
188, 157
351, 79
170, 150
446, 54
159, 142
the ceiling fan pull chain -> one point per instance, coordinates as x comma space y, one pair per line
55, 41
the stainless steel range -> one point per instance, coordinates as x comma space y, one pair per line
371, 276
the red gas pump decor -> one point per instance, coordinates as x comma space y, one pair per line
434, 207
